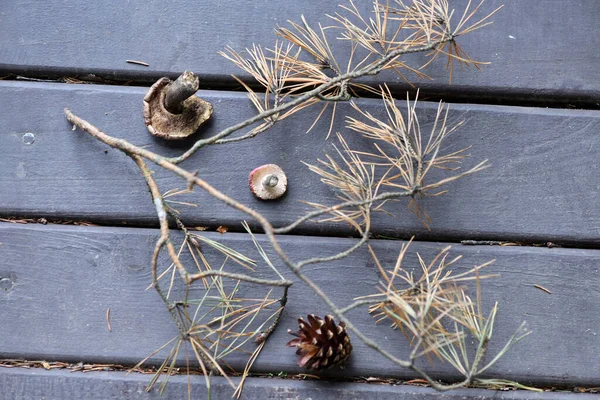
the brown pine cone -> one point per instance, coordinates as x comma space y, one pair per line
321, 343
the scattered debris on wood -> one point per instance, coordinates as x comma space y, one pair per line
73, 367
44, 221
500, 243
75, 81
487, 243
579, 389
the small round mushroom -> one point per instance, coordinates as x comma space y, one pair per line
268, 182
171, 111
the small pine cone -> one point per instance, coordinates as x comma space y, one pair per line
321, 343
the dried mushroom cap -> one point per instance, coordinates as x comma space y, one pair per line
189, 111
268, 182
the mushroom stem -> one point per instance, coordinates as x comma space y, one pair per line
270, 181
177, 92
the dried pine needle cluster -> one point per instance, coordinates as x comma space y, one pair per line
433, 310
213, 313
397, 167
304, 68
378, 42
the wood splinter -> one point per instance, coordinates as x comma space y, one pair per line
145, 64
108, 320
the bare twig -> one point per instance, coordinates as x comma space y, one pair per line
240, 277
370, 70
267, 227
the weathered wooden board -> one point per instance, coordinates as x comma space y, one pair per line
542, 186
539, 50
59, 281
23, 384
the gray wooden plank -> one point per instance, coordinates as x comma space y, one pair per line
79, 38
63, 279
542, 185
23, 384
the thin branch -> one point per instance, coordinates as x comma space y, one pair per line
372, 69
338, 256
240, 277
193, 179
316, 213
359, 303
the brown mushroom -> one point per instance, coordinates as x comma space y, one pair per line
268, 182
171, 111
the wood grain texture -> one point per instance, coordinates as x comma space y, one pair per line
542, 185
538, 50
63, 279
22, 384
